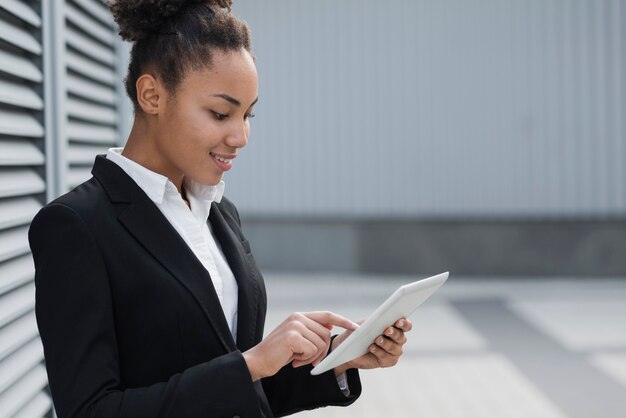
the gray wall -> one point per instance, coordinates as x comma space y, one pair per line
448, 108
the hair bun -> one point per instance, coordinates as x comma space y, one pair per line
138, 19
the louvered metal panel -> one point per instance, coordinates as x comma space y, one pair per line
90, 25
18, 211
18, 152
19, 363
19, 37
92, 112
18, 182
19, 94
89, 47
19, 66
13, 243
18, 123
18, 397
22, 192
89, 90
80, 154
17, 334
16, 272
92, 97
84, 132
38, 406
89, 68
16, 303
22, 11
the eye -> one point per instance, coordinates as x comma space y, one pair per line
219, 116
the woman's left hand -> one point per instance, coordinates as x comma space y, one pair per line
385, 350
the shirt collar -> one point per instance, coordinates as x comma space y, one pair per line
201, 196
156, 185
153, 184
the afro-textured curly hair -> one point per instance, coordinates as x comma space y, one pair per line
172, 37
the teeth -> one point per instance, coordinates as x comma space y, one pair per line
224, 160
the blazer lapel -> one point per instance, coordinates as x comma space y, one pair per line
147, 224
238, 261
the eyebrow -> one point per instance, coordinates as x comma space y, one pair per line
232, 100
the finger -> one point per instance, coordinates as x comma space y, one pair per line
323, 333
326, 317
321, 345
388, 345
395, 334
404, 324
304, 350
383, 358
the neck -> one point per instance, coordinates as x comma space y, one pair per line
142, 148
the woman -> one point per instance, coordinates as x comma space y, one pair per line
149, 301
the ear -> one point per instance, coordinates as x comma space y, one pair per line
148, 93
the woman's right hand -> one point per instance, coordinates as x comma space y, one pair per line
303, 338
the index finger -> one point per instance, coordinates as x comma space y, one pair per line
326, 317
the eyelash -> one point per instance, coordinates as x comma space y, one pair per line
221, 117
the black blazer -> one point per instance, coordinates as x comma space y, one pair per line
130, 322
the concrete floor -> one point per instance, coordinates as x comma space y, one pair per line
552, 348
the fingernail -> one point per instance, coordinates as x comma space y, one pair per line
373, 349
379, 340
390, 331
401, 323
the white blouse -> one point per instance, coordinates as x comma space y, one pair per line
191, 224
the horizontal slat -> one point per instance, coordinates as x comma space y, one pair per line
20, 394
16, 272
89, 68
20, 182
19, 37
89, 25
19, 363
37, 407
22, 11
17, 396
96, 9
19, 124
77, 175
17, 211
83, 110
19, 66
84, 154
16, 303
90, 90
13, 242
17, 333
85, 132
89, 47
19, 94
16, 152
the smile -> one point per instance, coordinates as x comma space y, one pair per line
222, 161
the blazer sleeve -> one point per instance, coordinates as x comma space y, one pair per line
75, 316
293, 390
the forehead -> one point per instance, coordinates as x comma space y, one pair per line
232, 73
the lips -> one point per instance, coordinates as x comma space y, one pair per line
223, 161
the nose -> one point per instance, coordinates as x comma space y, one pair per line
238, 136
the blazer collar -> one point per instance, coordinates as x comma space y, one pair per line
147, 224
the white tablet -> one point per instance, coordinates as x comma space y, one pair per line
401, 304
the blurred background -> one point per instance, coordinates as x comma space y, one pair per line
392, 140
